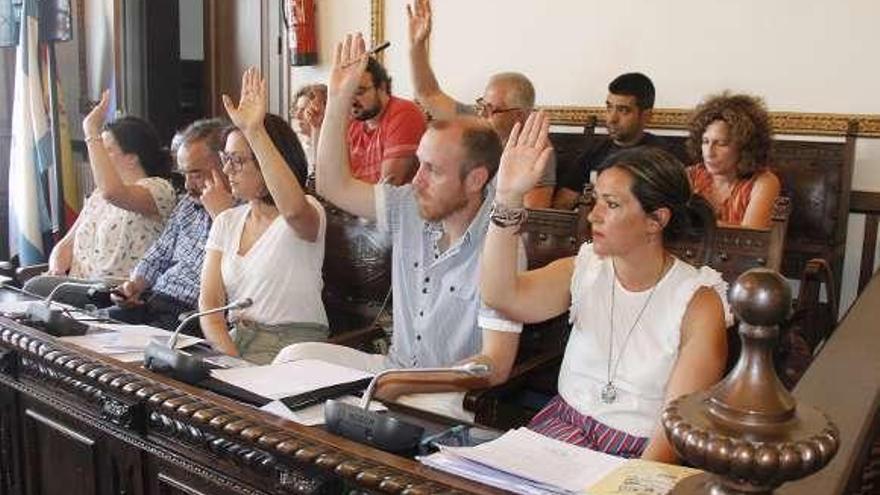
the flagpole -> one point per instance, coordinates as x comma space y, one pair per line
58, 226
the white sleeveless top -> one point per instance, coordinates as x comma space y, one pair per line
643, 369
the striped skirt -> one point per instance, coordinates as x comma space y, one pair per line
560, 421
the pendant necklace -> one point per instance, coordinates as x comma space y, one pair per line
609, 391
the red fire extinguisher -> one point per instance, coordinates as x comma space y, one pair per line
299, 16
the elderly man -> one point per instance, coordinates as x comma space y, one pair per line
508, 99
165, 283
437, 225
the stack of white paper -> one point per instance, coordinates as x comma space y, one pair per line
125, 342
526, 462
276, 381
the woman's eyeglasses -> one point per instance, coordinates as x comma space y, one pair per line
233, 162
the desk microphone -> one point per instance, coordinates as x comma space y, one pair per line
164, 358
186, 319
56, 322
382, 430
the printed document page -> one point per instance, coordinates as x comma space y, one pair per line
545, 461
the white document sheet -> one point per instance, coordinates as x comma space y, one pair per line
16, 308
549, 464
276, 381
125, 342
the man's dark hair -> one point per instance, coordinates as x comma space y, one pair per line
637, 85
379, 75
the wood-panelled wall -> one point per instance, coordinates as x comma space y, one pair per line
233, 33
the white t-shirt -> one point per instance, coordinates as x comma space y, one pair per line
641, 372
110, 240
280, 272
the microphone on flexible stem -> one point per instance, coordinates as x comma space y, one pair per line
164, 358
55, 321
382, 430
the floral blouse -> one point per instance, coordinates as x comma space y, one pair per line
111, 240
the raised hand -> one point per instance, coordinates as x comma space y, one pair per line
216, 196
349, 64
525, 156
251, 109
314, 117
94, 121
419, 15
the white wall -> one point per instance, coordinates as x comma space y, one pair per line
800, 55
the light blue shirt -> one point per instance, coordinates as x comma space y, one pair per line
438, 314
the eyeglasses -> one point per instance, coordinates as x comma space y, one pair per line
233, 161
486, 110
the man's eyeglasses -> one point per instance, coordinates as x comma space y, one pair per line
487, 110
234, 162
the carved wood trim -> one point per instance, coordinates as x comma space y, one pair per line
818, 124
229, 432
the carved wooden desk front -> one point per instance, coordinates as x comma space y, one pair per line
73, 422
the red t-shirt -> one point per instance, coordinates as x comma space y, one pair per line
401, 125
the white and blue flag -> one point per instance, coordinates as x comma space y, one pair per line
31, 155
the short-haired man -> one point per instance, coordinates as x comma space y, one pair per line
628, 110
384, 131
437, 225
508, 99
165, 283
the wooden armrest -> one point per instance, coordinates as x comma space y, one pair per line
358, 338
519, 374
25, 273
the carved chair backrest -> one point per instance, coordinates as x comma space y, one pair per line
868, 204
816, 176
553, 234
357, 271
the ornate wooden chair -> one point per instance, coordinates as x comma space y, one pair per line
357, 280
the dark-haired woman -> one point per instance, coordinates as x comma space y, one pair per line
126, 212
271, 248
731, 135
647, 327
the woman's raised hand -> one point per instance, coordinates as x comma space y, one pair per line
94, 121
251, 109
525, 156
349, 64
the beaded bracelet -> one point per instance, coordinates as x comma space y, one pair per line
89, 139
504, 216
